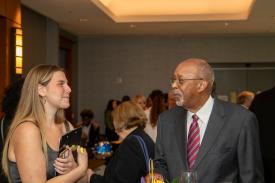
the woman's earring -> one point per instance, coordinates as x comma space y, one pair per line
44, 100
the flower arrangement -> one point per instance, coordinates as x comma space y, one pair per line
153, 179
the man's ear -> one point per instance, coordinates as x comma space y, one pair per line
202, 85
41, 90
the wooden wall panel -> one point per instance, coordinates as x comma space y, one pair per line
4, 57
10, 17
13, 12
2, 7
11, 9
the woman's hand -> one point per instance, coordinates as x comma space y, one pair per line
90, 172
82, 158
66, 164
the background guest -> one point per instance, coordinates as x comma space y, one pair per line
153, 112
125, 98
90, 128
108, 120
128, 164
263, 107
140, 100
245, 98
9, 105
148, 102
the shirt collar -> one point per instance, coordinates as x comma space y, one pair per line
205, 110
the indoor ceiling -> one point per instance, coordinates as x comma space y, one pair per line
83, 18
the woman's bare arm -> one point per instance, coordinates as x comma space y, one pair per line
26, 150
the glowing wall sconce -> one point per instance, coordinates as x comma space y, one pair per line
18, 51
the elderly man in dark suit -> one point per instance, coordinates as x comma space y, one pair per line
217, 140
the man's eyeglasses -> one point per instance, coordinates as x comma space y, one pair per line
181, 81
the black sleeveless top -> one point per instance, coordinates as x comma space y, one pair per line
52, 155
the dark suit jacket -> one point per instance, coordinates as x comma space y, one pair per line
128, 163
229, 150
263, 106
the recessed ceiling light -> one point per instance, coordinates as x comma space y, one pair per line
226, 24
83, 20
179, 10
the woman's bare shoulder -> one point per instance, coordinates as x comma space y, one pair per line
25, 141
26, 129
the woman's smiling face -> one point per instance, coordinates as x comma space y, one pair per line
57, 93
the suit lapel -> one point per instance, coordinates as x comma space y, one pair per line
213, 129
180, 129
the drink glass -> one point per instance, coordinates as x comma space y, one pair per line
188, 177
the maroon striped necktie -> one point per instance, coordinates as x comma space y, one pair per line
193, 144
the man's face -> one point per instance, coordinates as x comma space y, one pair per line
142, 103
185, 85
86, 121
171, 100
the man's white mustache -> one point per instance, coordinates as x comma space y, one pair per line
177, 93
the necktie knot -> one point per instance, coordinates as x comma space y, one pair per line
195, 117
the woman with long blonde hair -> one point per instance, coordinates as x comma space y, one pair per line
30, 151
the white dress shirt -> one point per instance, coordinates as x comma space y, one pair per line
203, 114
